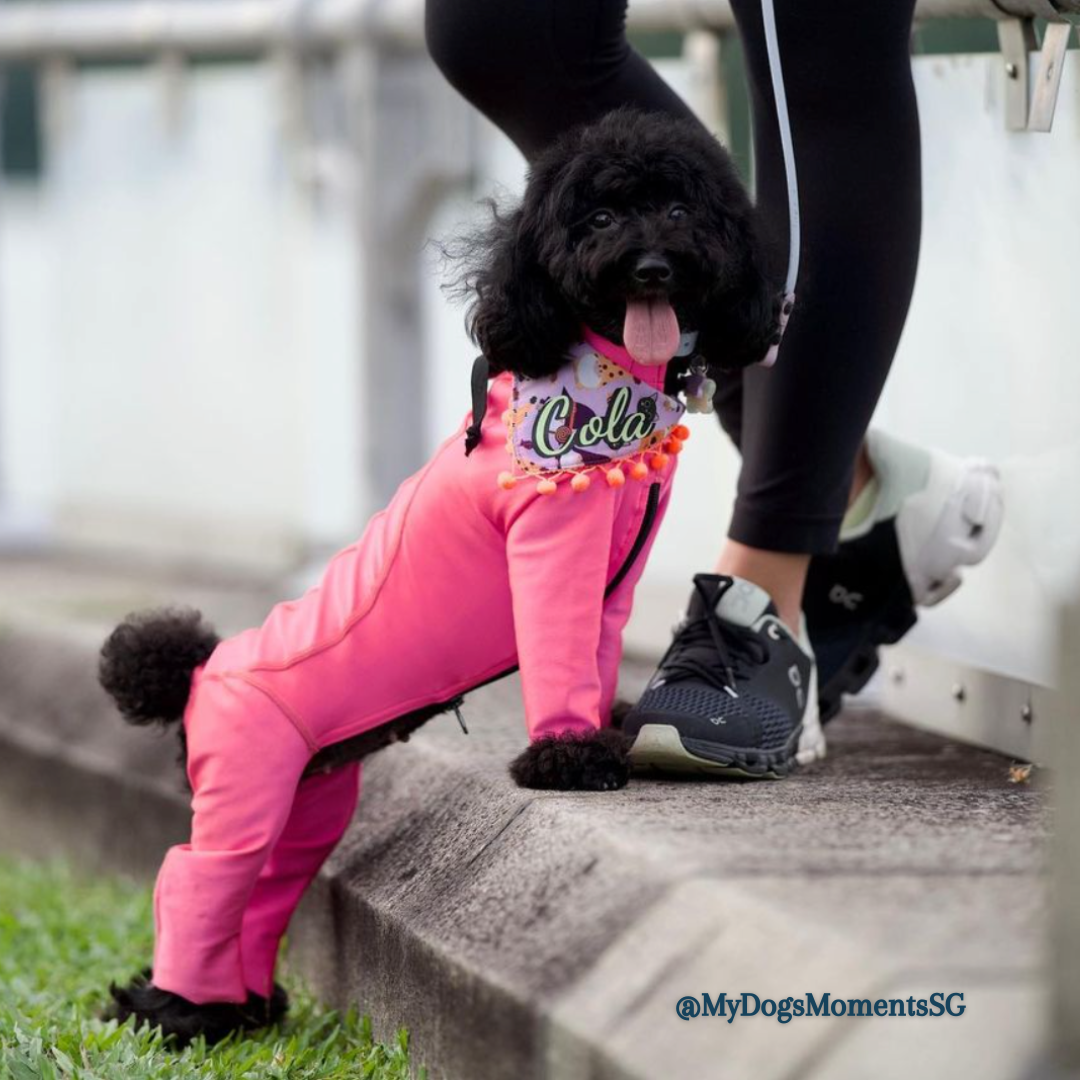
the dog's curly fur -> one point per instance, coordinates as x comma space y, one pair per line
147, 661
572, 762
542, 269
181, 1020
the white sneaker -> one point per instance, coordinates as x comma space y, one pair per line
933, 515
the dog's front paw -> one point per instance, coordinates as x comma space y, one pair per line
593, 762
182, 1020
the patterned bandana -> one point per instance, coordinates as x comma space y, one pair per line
591, 415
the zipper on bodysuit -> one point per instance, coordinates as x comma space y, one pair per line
360, 746
647, 519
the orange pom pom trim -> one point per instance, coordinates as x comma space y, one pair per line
580, 482
659, 461
681, 432
639, 470
615, 477
674, 446
507, 480
547, 487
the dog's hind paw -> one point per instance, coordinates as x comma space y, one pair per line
182, 1021
571, 762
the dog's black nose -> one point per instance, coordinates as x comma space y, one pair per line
652, 270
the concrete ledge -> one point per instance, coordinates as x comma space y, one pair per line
72, 779
521, 934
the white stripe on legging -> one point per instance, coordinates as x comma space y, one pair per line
772, 46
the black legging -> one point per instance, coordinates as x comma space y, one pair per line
540, 67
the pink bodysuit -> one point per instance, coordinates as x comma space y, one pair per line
468, 572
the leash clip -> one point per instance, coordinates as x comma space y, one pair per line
460, 718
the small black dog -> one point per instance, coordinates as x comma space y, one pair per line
634, 232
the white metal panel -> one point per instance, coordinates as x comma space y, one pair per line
989, 360
183, 334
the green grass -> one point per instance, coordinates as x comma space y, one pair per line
63, 938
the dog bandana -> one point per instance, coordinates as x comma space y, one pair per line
592, 415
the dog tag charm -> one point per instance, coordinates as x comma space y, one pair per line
700, 390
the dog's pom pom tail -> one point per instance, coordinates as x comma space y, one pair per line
597, 761
147, 662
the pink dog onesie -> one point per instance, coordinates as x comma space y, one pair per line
527, 550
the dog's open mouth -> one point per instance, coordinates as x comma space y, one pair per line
651, 330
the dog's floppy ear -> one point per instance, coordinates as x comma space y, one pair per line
518, 317
742, 319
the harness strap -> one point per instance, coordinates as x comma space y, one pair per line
481, 372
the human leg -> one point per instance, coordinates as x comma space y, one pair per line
539, 69
717, 704
855, 130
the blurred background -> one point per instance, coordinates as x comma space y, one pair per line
223, 340
223, 343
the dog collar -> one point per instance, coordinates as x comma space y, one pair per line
653, 374
592, 416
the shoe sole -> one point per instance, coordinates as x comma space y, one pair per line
965, 534
660, 748
811, 744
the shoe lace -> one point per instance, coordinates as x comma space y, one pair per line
703, 638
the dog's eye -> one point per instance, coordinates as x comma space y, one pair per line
602, 219
677, 212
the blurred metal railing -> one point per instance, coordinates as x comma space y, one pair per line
112, 28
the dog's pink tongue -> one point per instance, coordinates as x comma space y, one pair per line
651, 331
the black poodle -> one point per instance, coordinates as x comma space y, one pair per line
635, 228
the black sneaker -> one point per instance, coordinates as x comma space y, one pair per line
933, 515
735, 695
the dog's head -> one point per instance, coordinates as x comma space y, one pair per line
638, 227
